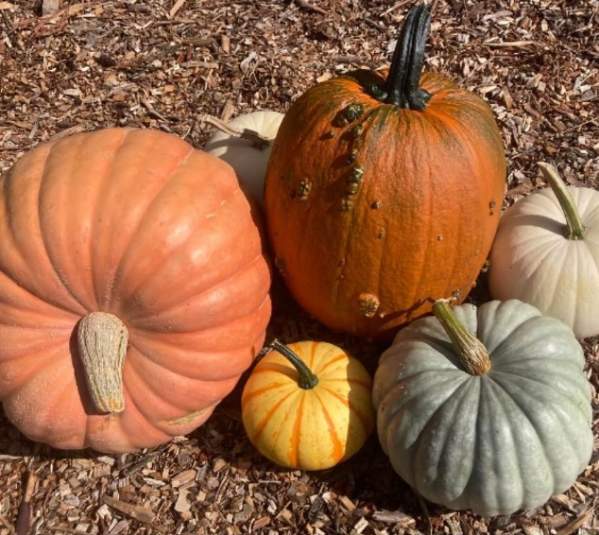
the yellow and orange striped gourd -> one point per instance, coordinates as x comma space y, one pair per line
308, 405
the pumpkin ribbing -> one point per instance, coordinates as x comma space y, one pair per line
137, 224
495, 443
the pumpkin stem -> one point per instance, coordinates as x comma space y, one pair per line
575, 226
102, 339
251, 136
408, 59
307, 379
472, 353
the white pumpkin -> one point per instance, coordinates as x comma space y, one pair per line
546, 253
248, 159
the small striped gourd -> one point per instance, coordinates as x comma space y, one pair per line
308, 405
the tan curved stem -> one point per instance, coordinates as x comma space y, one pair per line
472, 353
254, 138
102, 339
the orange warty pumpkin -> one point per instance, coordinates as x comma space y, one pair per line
383, 195
133, 289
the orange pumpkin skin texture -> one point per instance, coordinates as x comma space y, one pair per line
375, 210
139, 225
308, 429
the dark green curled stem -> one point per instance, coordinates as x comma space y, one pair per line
472, 353
307, 379
575, 226
408, 59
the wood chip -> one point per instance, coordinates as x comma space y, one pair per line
393, 517
507, 98
360, 525
219, 464
183, 477
228, 112
347, 503
176, 7
182, 505
531, 529
310, 7
570, 528
120, 527
512, 44
225, 43
261, 522
137, 512
25, 515
49, 7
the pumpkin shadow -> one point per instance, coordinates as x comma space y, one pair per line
367, 477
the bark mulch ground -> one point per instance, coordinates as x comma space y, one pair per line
74, 66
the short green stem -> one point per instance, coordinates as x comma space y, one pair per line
306, 378
575, 226
472, 353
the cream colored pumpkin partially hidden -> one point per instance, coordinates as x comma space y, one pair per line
546, 253
248, 158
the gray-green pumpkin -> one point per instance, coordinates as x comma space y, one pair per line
494, 427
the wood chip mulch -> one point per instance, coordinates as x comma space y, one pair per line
67, 67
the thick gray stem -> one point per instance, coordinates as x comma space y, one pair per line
102, 339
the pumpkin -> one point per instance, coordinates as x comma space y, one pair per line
546, 253
247, 153
307, 405
383, 194
494, 424
129, 305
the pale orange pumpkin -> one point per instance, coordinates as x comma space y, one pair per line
133, 289
308, 405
